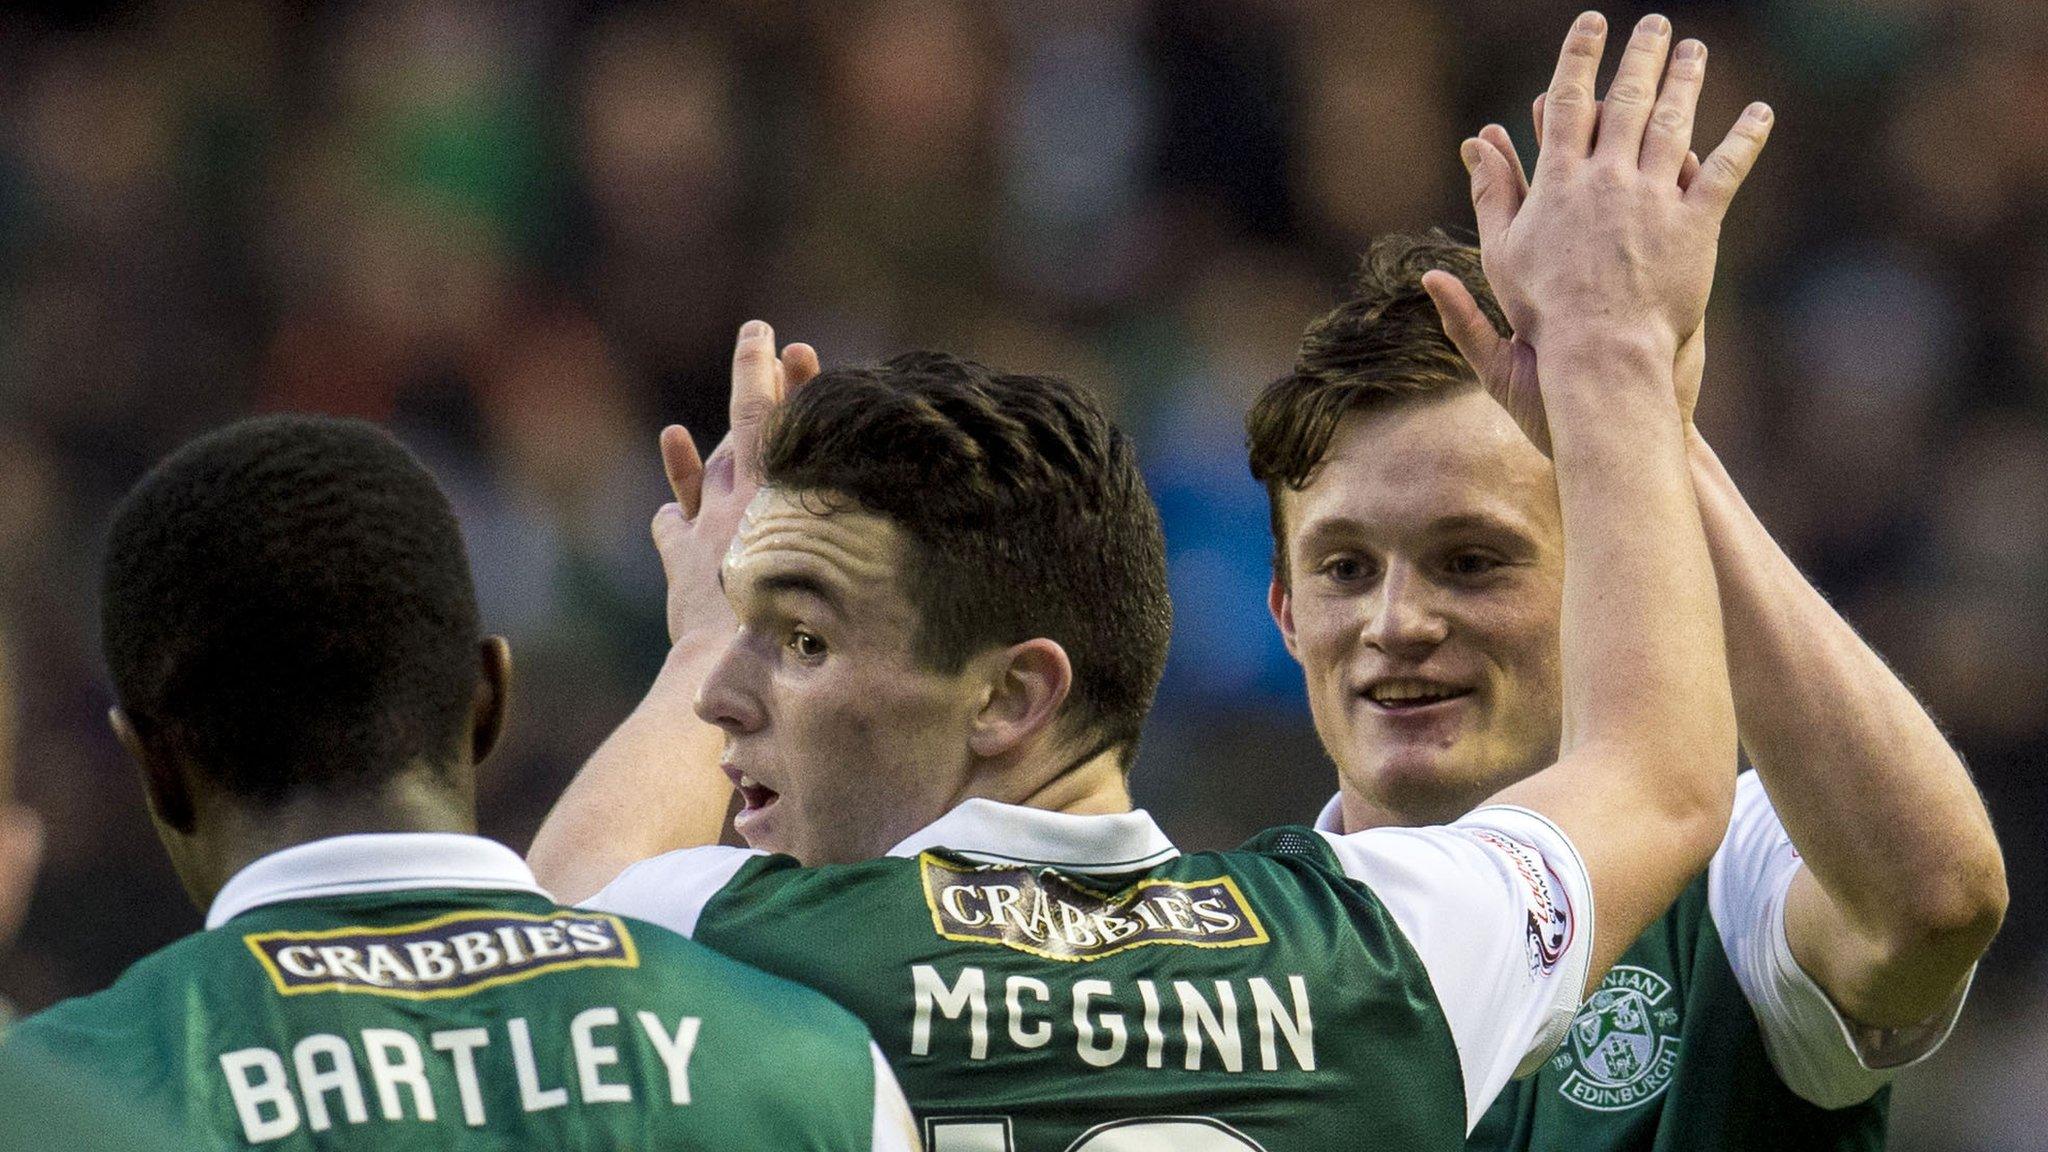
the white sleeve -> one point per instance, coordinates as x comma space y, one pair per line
895, 1130
1824, 1057
1500, 909
671, 890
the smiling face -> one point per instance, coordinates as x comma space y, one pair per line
1426, 576
839, 739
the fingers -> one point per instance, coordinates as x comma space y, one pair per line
1725, 168
669, 530
799, 364
1568, 130
1498, 136
1463, 322
1496, 188
1536, 113
755, 379
1633, 91
1686, 172
1669, 135
685, 468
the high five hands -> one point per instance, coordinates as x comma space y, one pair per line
692, 533
1621, 222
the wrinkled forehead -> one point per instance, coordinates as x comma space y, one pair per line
816, 535
1447, 458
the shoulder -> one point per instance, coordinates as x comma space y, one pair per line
1289, 843
49, 1105
141, 993
120, 1029
671, 890
789, 1005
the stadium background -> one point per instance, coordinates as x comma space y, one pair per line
523, 236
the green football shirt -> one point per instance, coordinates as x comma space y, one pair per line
1057, 983
1707, 1037
420, 991
46, 1105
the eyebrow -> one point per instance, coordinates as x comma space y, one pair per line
1485, 522
1478, 521
802, 583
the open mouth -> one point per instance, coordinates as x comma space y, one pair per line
754, 795
1404, 696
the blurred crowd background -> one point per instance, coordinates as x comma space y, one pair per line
522, 235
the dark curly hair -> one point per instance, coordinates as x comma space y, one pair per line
1382, 341
1026, 507
287, 600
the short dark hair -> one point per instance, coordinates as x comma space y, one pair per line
288, 600
1382, 341
1026, 509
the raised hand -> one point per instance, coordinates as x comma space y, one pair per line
693, 533
1506, 365
1620, 226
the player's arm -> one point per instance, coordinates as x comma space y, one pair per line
1603, 266
1897, 884
1903, 885
655, 784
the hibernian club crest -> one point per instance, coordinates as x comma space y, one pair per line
1624, 1044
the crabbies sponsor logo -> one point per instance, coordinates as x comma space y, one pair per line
451, 955
1039, 911
1624, 1043
1550, 918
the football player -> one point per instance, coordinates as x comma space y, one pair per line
1419, 554
943, 617
293, 638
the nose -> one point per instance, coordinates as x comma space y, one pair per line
1404, 620
727, 698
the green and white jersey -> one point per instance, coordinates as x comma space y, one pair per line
1708, 1036
420, 991
1046, 982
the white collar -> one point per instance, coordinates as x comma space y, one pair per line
372, 862
1008, 834
1331, 818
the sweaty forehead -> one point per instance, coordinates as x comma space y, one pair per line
785, 531
1422, 462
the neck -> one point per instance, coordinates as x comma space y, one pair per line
1358, 812
1420, 804
232, 836
1093, 787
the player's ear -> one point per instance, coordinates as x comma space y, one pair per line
1280, 602
1027, 684
163, 774
493, 697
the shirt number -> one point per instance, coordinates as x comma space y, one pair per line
1149, 1134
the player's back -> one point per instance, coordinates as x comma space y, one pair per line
464, 1019
1107, 998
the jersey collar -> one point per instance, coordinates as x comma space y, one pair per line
1331, 818
372, 862
994, 833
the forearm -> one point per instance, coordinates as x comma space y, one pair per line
1882, 810
1640, 628
653, 786
1642, 783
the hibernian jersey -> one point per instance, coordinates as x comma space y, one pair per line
46, 1105
1061, 983
1707, 1035
395, 992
